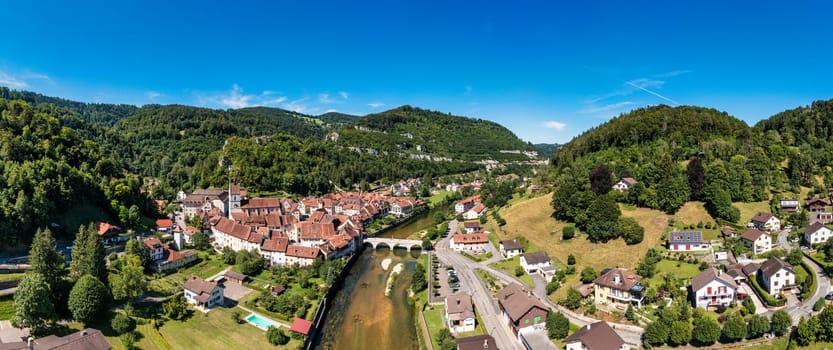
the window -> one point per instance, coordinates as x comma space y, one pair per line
778, 274
526, 321
537, 319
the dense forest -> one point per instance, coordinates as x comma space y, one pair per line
687, 153
413, 130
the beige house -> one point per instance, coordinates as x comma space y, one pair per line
619, 288
759, 241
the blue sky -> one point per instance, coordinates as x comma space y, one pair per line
546, 70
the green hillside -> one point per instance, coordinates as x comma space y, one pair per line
411, 130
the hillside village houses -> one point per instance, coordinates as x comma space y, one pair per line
624, 184
202, 293
459, 313
476, 212
289, 232
817, 233
595, 336
687, 241
471, 226
765, 222
789, 205
469, 242
760, 242
713, 288
466, 204
511, 248
776, 276
521, 309
618, 287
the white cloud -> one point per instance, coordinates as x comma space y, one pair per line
296, 105
593, 108
12, 81
237, 98
325, 98
151, 95
344, 94
555, 125
330, 111
376, 104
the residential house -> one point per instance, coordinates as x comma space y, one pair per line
817, 233
469, 242
164, 226
713, 288
466, 204
459, 313
235, 277
107, 231
477, 342
789, 205
618, 287
687, 241
476, 212
85, 339
728, 232
777, 276
821, 216
301, 255
624, 184
595, 336
157, 250
173, 260
203, 293
531, 262
401, 207
521, 309
471, 226
760, 242
511, 248
818, 205
766, 222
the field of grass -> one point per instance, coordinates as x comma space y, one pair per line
509, 266
669, 267
6, 307
216, 330
434, 321
532, 219
11, 276
439, 197
748, 210
693, 213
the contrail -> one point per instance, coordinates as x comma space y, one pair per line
651, 92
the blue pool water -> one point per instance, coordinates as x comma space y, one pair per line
261, 322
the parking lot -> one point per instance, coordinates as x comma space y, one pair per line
446, 278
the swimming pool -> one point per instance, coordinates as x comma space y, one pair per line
260, 321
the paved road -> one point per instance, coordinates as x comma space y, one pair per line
484, 302
804, 309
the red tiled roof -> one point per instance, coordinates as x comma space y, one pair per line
105, 227
153, 243
300, 325
275, 244
257, 203
470, 238
300, 251
164, 223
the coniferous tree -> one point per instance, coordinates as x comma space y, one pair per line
601, 179
45, 258
88, 255
696, 178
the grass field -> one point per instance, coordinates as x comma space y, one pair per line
531, 219
748, 210
6, 307
509, 266
216, 330
439, 197
11, 276
693, 213
669, 267
434, 321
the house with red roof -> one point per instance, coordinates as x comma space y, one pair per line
164, 225
300, 325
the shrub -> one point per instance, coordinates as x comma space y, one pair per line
568, 232
276, 336
122, 324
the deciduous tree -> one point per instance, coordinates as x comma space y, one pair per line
32, 304
87, 299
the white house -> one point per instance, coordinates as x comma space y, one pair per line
531, 262
687, 241
157, 251
766, 222
466, 204
624, 184
713, 288
203, 293
511, 248
776, 276
595, 336
471, 242
475, 213
760, 242
459, 313
817, 233
471, 226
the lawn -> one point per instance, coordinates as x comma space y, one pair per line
11, 276
748, 210
693, 213
684, 271
434, 320
6, 307
439, 197
216, 330
509, 266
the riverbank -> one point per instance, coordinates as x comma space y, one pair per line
415, 213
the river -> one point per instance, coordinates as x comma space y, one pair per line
361, 316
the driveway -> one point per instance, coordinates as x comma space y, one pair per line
759, 305
235, 291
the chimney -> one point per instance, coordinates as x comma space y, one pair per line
30, 342
84, 332
485, 343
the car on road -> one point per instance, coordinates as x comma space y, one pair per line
829, 296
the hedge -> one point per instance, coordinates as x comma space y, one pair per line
828, 268
810, 274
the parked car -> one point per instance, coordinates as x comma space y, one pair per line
829, 296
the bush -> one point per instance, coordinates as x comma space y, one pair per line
237, 316
122, 324
276, 336
819, 304
128, 340
553, 286
568, 232
519, 271
588, 275
571, 260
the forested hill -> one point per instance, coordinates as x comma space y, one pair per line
99, 113
683, 129
411, 130
810, 126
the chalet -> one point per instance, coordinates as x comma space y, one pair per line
203, 293
511, 248
818, 205
477, 342
531, 262
470, 242
624, 184
619, 287
466, 204
713, 288
817, 233
595, 336
760, 242
728, 232
766, 222
471, 226
521, 308
106, 230
459, 313
777, 276
164, 225
788, 205
687, 241
820, 216
476, 212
